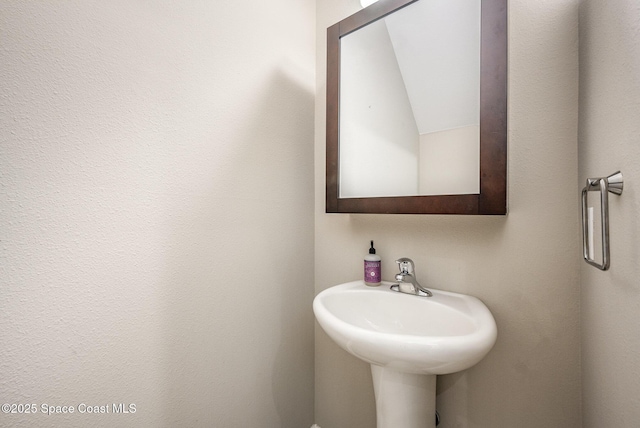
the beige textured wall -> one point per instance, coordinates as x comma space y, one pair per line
142, 214
523, 266
610, 141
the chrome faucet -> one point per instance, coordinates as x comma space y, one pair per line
407, 281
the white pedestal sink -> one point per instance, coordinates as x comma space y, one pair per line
408, 340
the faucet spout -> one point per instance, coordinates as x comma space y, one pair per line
407, 281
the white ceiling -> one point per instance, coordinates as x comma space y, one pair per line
437, 46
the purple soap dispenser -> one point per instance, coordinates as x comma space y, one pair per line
372, 269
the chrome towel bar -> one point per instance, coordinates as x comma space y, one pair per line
614, 184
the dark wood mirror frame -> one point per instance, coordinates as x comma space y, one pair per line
492, 198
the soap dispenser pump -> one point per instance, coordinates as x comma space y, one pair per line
372, 269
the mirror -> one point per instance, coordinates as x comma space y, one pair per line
410, 102
416, 108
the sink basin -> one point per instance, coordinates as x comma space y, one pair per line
408, 340
446, 333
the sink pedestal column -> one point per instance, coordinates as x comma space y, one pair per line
404, 400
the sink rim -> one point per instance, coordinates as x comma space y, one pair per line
414, 353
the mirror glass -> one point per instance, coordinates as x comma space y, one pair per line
409, 102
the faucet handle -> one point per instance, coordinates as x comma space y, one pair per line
405, 265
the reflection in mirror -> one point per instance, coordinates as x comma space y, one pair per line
410, 103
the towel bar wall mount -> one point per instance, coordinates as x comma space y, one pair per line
614, 184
